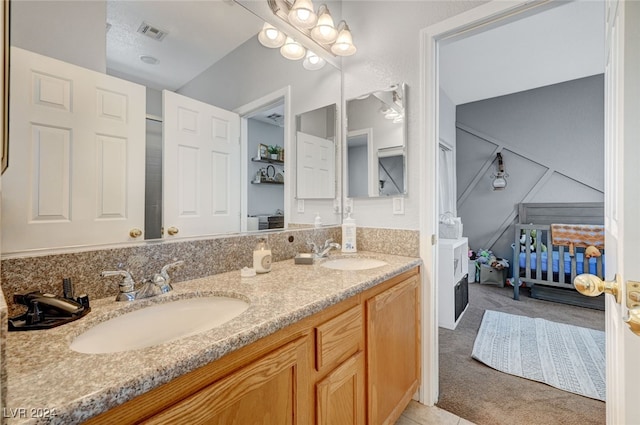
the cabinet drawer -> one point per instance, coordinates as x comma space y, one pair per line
339, 338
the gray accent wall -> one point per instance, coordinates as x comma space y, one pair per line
552, 144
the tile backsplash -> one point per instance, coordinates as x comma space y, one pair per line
202, 258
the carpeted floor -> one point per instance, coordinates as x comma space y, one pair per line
485, 396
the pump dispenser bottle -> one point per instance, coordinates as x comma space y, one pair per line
349, 234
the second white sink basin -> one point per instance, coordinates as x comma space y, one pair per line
158, 324
353, 263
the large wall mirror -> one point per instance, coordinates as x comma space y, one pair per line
376, 144
202, 57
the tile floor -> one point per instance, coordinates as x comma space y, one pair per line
419, 414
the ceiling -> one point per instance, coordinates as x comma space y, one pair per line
562, 43
199, 34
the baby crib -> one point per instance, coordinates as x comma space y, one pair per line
544, 263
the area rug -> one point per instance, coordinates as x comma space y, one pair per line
567, 357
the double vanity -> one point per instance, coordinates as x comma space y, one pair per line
335, 342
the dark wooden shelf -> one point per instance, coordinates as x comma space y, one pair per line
268, 161
266, 182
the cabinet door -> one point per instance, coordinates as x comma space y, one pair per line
340, 396
393, 350
269, 391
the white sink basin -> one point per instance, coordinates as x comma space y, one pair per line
353, 263
158, 324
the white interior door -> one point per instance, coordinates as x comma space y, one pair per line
315, 167
622, 203
201, 166
77, 167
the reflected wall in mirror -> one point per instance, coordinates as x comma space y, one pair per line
376, 144
227, 69
316, 153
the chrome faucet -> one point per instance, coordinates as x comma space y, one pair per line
318, 252
160, 283
127, 292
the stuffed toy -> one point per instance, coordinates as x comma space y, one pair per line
500, 263
532, 241
592, 251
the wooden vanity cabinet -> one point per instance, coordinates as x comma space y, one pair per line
393, 350
354, 363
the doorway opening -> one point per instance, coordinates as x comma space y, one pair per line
264, 133
441, 37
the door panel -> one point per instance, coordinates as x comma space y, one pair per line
622, 203
77, 153
201, 163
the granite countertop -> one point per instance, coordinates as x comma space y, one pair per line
49, 383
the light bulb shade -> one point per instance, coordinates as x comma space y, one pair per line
500, 182
313, 61
325, 31
271, 37
292, 49
344, 43
302, 15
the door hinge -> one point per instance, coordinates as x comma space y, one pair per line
434, 239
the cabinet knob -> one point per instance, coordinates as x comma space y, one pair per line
135, 233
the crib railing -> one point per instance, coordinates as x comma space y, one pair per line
530, 275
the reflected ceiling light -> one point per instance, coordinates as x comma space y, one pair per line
292, 49
149, 60
302, 15
271, 37
324, 32
313, 61
344, 43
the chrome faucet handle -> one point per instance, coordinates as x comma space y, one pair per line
327, 243
165, 270
126, 286
314, 248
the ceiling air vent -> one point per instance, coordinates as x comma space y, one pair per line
152, 32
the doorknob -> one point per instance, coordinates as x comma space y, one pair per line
135, 233
172, 231
592, 286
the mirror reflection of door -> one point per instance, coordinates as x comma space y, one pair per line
362, 171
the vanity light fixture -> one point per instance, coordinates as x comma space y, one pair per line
344, 43
314, 29
325, 31
271, 37
302, 15
500, 178
313, 61
292, 49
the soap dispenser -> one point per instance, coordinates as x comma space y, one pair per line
349, 234
317, 222
262, 257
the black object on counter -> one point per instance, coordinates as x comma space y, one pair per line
47, 311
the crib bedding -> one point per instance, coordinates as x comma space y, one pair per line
555, 262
